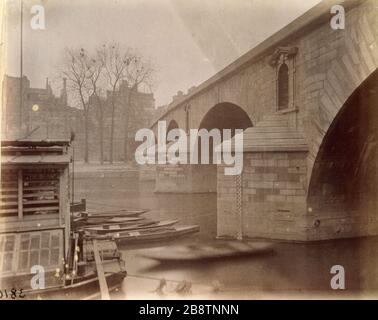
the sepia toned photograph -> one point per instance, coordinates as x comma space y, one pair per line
156, 150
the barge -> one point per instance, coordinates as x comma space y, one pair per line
41, 255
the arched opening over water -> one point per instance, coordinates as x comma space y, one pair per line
222, 116
345, 172
171, 126
226, 116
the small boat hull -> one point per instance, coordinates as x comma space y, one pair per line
110, 229
85, 289
167, 234
216, 250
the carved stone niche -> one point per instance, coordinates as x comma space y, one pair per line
283, 60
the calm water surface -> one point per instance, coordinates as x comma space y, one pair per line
302, 270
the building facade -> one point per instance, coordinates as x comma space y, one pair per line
43, 115
133, 110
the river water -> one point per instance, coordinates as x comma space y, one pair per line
291, 270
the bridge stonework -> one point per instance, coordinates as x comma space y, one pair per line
270, 198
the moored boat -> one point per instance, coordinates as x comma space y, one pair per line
145, 236
206, 251
82, 222
36, 235
117, 213
110, 229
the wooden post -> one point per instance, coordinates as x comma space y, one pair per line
239, 204
100, 273
63, 197
20, 195
64, 210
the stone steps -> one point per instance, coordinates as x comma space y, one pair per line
273, 133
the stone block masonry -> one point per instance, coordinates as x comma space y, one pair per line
275, 203
185, 178
288, 189
273, 197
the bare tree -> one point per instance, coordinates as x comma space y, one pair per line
75, 68
95, 77
116, 62
138, 72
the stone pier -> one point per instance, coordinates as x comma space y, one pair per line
185, 178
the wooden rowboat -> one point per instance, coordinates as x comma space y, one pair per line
214, 250
116, 213
108, 229
85, 288
102, 221
162, 234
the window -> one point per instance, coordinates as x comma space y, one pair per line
39, 249
283, 62
31, 191
283, 87
19, 252
7, 249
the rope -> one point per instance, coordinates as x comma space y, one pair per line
219, 289
159, 279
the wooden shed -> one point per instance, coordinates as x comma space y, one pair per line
35, 210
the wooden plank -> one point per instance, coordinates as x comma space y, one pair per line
42, 181
9, 203
9, 182
9, 196
75, 257
100, 273
40, 201
27, 195
20, 202
8, 189
41, 208
14, 150
64, 211
42, 188
15, 210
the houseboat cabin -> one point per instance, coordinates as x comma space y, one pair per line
35, 212
35, 228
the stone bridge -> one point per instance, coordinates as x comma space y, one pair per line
307, 100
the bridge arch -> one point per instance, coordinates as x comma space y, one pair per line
345, 172
222, 116
226, 115
172, 125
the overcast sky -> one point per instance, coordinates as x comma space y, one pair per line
187, 40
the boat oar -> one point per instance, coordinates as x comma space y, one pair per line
100, 273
